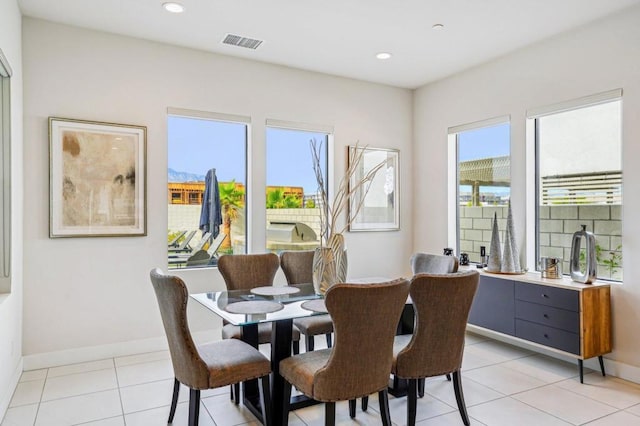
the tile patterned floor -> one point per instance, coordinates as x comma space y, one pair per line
503, 385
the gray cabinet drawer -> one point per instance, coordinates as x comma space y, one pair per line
548, 315
550, 296
548, 336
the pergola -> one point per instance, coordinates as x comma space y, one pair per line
493, 171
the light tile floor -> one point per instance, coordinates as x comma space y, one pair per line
503, 385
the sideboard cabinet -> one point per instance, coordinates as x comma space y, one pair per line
558, 314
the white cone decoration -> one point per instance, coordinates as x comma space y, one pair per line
510, 261
493, 265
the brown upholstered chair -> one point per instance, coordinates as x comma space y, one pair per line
433, 263
442, 304
361, 359
244, 272
207, 366
297, 267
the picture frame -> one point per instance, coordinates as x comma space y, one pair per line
380, 210
97, 179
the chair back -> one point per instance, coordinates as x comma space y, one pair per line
297, 266
247, 271
433, 264
365, 318
172, 295
442, 304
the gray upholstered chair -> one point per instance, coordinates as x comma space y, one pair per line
442, 304
361, 359
433, 263
298, 268
206, 366
244, 272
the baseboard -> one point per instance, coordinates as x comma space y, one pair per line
612, 367
95, 353
13, 382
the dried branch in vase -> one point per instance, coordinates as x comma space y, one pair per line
349, 191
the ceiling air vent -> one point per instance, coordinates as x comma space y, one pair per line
236, 40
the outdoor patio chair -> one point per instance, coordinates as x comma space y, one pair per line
184, 245
208, 256
207, 366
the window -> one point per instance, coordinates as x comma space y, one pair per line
293, 218
578, 147
5, 173
481, 185
205, 148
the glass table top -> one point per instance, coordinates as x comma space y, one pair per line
263, 310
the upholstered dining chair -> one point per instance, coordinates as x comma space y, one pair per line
298, 269
206, 366
361, 358
244, 272
436, 347
433, 263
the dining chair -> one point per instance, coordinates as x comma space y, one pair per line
244, 272
207, 366
298, 269
361, 358
442, 303
433, 263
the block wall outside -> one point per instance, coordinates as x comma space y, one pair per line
557, 225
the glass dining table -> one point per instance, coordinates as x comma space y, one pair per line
278, 305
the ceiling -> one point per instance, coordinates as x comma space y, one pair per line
342, 37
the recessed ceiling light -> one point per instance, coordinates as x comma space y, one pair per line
173, 7
383, 55
437, 26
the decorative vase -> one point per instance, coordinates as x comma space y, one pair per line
591, 263
494, 263
329, 264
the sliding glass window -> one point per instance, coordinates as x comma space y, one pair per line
206, 194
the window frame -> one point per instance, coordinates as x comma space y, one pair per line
226, 118
453, 175
5, 170
533, 166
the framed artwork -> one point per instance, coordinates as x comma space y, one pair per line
380, 210
97, 179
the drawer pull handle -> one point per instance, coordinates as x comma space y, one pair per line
545, 296
546, 336
546, 316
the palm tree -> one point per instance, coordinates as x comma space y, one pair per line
231, 201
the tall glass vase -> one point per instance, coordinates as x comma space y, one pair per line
329, 264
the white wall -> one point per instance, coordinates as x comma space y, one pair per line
11, 304
583, 62
91, 292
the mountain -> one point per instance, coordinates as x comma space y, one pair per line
176, 176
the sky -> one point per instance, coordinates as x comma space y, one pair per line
196, 145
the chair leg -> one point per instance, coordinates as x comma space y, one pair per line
601, 361
174, 400
236, 392
457, 387
448, 376
365, 403
330, 414
265, 401
194, 406
328, 337
412, 401
286, 401
421, 387
385, 415
309, 341
352, 408
296, 347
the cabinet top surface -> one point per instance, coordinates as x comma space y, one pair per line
535, 278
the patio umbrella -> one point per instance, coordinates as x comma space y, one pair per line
211, 213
